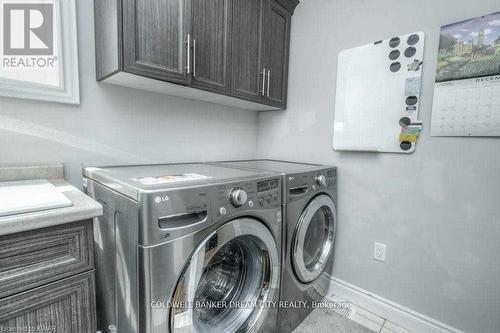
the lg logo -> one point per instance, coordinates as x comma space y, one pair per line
28, 29
159, 199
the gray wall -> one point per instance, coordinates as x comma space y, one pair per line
437, 210
120, 125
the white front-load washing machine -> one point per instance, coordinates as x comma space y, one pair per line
309, 226
186, 248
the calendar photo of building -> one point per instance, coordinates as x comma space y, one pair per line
469, 49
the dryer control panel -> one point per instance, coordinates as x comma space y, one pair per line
232, 198
331, 178
301, 184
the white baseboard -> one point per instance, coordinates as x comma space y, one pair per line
396, 313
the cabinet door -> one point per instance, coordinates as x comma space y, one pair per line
277, 33
211, 24
155, 39
37, 257
64, 306
247, 50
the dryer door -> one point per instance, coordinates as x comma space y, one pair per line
313, 238
229, 276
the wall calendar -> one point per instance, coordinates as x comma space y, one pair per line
467, 87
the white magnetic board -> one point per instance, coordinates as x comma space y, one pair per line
378, 85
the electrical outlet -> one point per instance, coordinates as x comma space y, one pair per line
379, 252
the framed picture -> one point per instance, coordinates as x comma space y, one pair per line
39, 51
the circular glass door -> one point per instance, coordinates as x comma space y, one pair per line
313, 238
228, 277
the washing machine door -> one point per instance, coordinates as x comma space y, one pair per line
227, 280
312, 242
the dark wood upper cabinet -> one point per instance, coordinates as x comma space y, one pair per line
211, 27
276, 54
231, 52
155, 42
247, 49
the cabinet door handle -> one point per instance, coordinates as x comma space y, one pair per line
194, 57
188, 50
263, 91
268, 82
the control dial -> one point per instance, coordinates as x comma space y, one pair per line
320, 180
238, 197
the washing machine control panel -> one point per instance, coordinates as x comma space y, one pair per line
268, 192
233, 198
171, 214
238, 197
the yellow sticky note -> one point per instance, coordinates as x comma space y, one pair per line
408, 137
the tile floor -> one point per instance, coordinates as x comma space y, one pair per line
346, 318
323, 320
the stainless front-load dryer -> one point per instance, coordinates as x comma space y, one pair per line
186, 248
309, 209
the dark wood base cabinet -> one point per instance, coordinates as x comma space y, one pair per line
47, 281
230, 52
62, 307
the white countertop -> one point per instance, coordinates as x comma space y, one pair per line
83, 208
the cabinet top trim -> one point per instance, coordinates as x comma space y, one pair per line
289, 5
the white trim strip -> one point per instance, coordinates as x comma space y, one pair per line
413, 321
